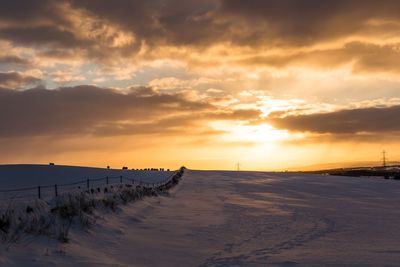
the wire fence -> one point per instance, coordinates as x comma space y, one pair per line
94, 184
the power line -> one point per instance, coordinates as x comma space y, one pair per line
384, 158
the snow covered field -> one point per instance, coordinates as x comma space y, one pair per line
217, 218
29, 177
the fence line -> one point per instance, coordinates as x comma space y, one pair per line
88, 183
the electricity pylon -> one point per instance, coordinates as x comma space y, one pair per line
384, 158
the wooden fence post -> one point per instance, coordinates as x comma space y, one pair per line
55, 190
87, 183
39, 195
107, 179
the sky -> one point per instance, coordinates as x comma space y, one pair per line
273, 85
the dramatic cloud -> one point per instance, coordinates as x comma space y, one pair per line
301, 22
196, 70
110, 30
352, 121
89, 110
245, 22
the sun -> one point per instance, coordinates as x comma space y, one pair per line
241, 132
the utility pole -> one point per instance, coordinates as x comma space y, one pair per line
384, 158
238, 166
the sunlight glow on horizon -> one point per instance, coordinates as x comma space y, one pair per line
202, 83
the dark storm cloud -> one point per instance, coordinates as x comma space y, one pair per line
17, 80
352, 121
102, 112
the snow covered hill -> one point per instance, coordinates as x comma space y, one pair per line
220, 218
